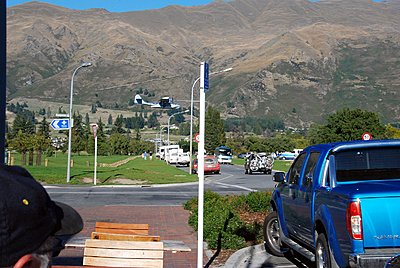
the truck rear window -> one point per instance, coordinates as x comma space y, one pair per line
368, 164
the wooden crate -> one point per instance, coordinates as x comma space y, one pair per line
109, 253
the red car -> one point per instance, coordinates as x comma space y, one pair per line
211, 165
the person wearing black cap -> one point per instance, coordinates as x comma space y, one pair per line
33, 228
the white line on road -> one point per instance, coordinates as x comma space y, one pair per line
236, 186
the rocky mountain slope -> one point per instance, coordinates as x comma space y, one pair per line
292, 59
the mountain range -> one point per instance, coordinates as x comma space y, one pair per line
293, 60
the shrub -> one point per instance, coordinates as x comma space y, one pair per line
258, 201
223, 227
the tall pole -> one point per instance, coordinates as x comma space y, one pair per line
85, 64
95, 127
200, 167
95, 160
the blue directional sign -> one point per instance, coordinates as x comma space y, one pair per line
204, 76
59, 124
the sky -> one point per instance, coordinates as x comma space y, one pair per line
115, 5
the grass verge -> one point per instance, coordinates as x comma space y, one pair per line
136, 171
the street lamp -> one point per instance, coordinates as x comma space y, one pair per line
85, 64
191, 111
169, 118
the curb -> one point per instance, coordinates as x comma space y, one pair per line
238, 258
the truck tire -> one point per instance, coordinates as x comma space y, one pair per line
323, 254
272, 238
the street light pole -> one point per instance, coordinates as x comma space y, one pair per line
85, 64
169, 118
191, 112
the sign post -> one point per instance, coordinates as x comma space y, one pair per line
94, 127
200, 171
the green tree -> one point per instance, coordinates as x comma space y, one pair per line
87, 119
23, 124
215, 134
346, 125
21, 144
44, 128
117, 128
119, 144
79, 135
41, 144
110, 120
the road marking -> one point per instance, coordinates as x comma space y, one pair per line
236, 186
210, 178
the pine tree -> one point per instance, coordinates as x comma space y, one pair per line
215, 134
44, 128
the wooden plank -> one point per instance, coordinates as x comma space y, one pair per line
123, 231
112, 262
126, 226
94, 243
123, 253
124, 237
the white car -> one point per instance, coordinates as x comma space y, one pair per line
184, 159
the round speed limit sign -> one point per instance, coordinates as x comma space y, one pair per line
197, 137
366, 136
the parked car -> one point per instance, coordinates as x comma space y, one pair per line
211, 165
260, 162
338, 205
287, 156
183, 159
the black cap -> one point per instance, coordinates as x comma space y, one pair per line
28, 216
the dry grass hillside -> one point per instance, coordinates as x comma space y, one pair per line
293, 59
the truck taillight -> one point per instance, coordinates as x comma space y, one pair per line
354, 221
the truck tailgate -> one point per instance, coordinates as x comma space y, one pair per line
381, 221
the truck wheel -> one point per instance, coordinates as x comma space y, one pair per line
272, 237
323, 255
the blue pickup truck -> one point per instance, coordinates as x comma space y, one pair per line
338, 205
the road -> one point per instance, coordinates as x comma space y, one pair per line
232, 180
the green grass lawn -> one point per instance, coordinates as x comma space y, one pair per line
137, 171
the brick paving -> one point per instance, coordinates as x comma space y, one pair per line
168, 222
